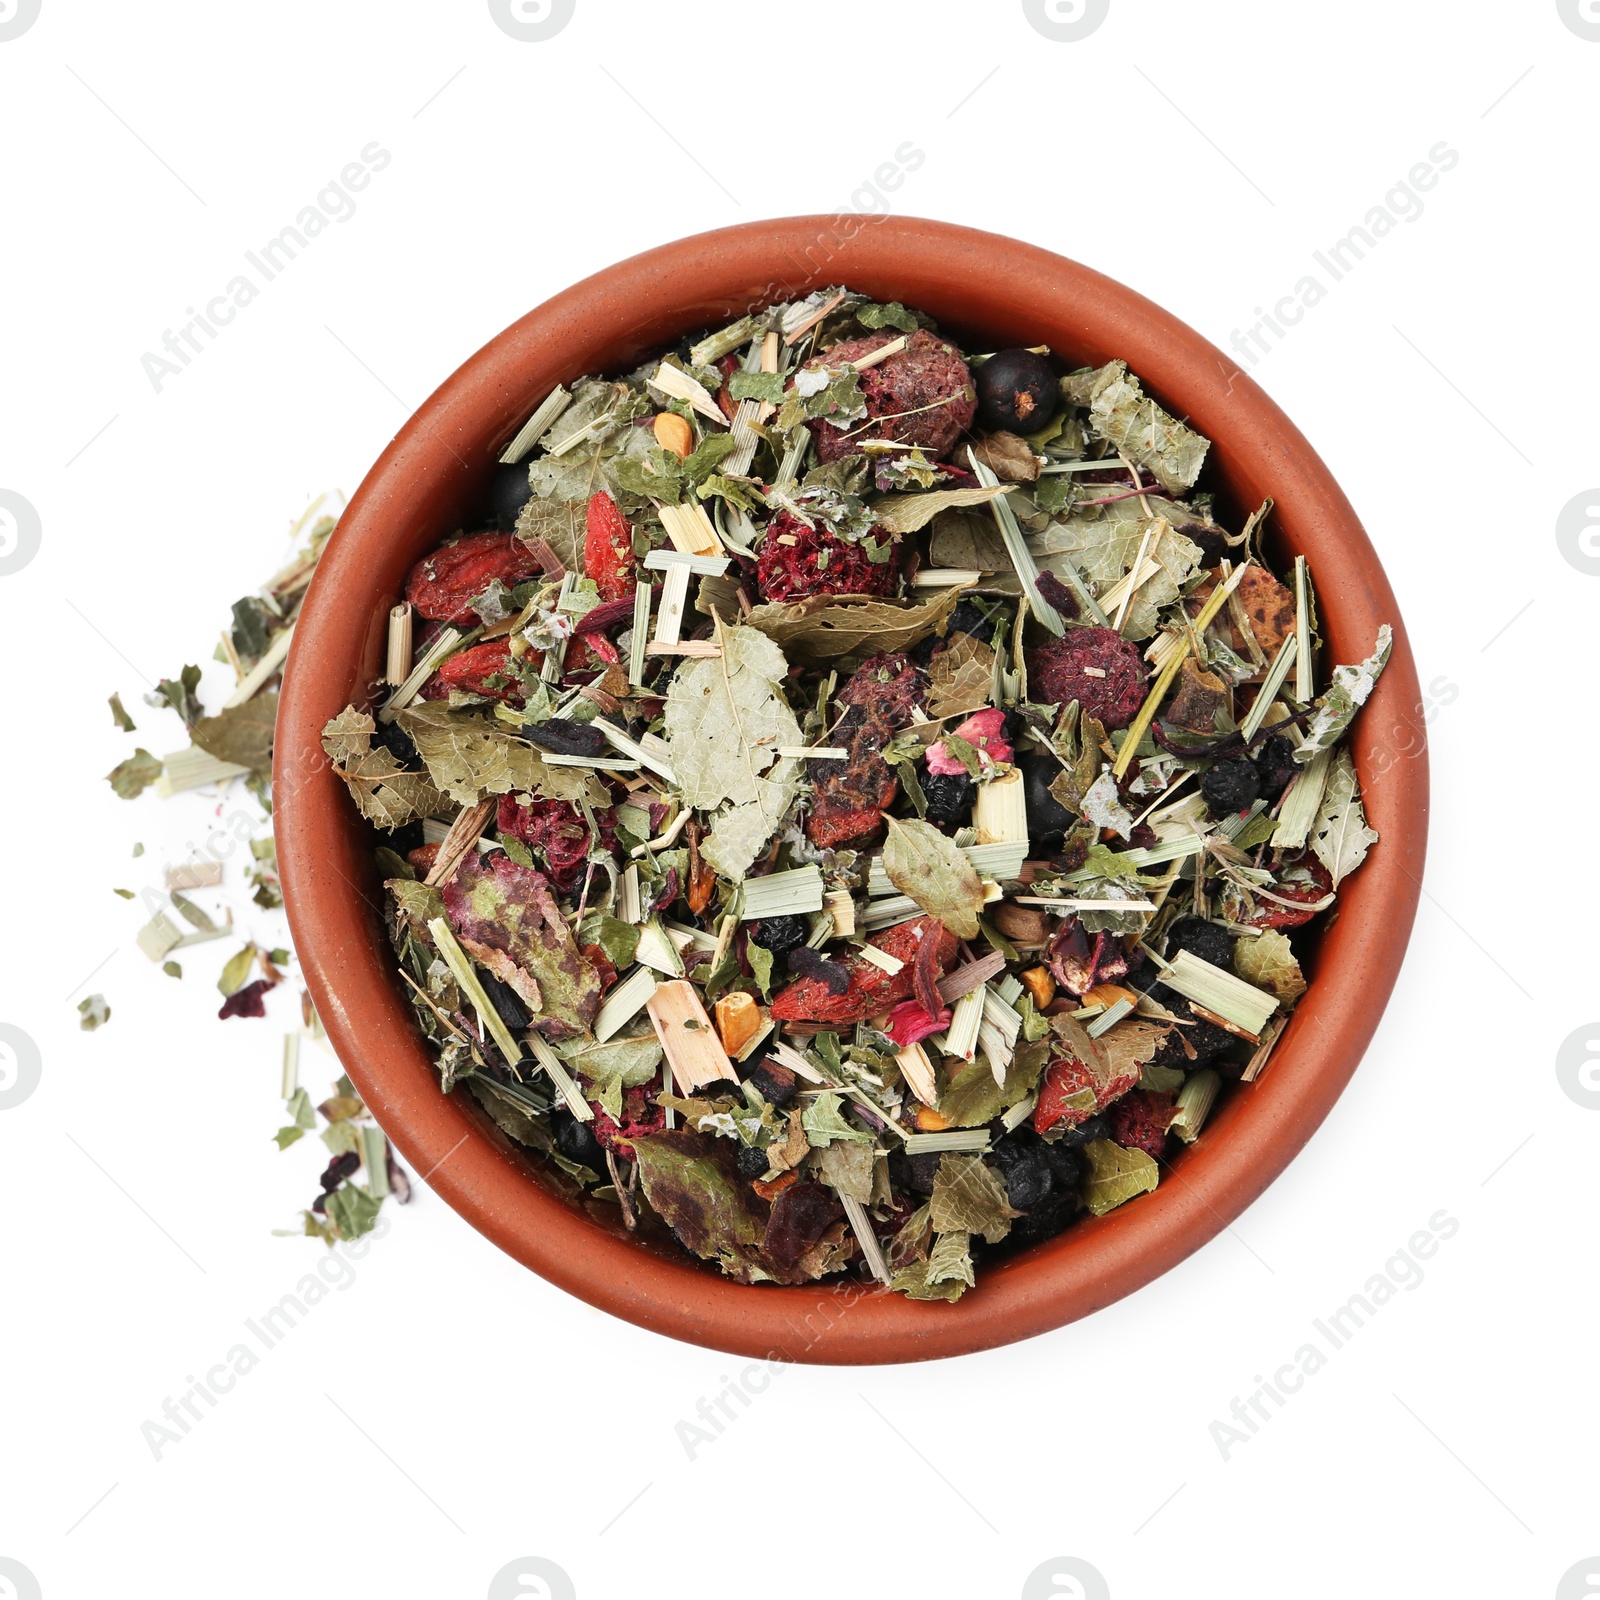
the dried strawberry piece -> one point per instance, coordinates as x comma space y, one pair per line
923, 395
486, 669
1097, 667
608, 548
872, 990
445, 584
1269, 914
557, 830
1139, 1121
819, 562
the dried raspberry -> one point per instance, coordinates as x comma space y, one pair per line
818, 562
445, 584
608, 548
556, 829
1139, 1121
640, 1116
923, 395
1057, 673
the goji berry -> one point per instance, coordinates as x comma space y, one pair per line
872, 990
445, 584
608, 548
485, 669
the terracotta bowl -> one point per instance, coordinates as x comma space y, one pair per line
988, 292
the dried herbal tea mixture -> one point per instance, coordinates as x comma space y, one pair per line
228, 746
849, 800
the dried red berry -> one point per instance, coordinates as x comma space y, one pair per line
485, 669
557, 831
640, 1116
608, 548
1097, 667
1269, 914
800, 1216
816, 561
1066, 1080
1139, 1121
872, 990
445, 584
848, 798
924, 395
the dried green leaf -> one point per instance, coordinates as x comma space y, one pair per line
905, 513
384, 792
824, 627
1269, 963
1346, 695
960, 677
132, 777
469, 755
241, 734
846, 1165
1340, 836
352, 1211
118, 715
925, 864
823, 1122
689, 1180
968, 1197
1116, 1175
237, 970
972, 1097
93, 1013
1120, 413
607, 1069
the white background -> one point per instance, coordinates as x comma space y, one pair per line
450, 1412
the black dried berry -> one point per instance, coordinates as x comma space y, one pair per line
1095, 1127
1016, 391
1067, 1166
576, 1140
1275, 763
506, 1001
949, 796
779, 934
1045, 1221
1206, 1039
338, 1170
509, 491
1203, 939
1230, 786
565, 737
1029, 1180
751, 1162
774, 1083
924, 1168
1048, 819
398, 743
809, 963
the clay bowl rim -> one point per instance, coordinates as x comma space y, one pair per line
425, 485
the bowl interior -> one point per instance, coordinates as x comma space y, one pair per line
987, 293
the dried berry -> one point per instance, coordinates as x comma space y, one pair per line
813, 964
779, 934
1205, 1039
1096, 667
1230, 786
1026, 1172
444, 584
800, 1216
1306, 895
949, 796
1274, 761
1016, 391
486, 669
1203, 939
1139, 1121
564, 737
576, 1140
798, 560
505, 1000
608, 548
557, 831
872, 990
1048, 819
338, 1170
751, 1161
921, 396
775, 1083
